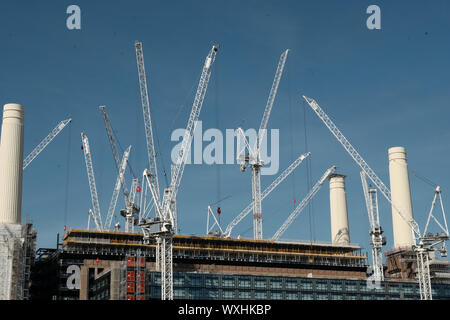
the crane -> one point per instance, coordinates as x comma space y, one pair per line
115, 153
423, 243
41, 146
303, 204
376, 239
147, 118
255, 160
119, 183
265, 193
161, 228
96, 215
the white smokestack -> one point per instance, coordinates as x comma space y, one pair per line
400, 197
338, 210
11, 163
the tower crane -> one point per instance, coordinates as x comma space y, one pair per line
377, 241
131, 208
41, 146
161, 227
119, 183
147, 118
115, 152
303, 204
424, 244
96, 215
255, 160
265, 193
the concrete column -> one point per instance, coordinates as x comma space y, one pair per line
338, 210
400, 197
11, 164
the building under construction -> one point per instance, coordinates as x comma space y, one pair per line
93, 265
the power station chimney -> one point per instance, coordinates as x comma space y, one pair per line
401, 198
338, 210
11, 164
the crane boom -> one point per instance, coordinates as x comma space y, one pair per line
180, 163
360, 161
147, 116
115, 153
272, 95
266, 192
90, 171
303, 204
41, 146
119, 183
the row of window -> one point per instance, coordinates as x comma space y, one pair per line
198, 280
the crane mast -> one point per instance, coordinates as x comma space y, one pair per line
265, 193
303, 204
256, 163
96, 215
161, 228
376, 238
423, 243
41, 146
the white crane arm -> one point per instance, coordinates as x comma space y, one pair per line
180, 163
271, 98
115, 153
41, 146
360, 161
90, 172
266, 192
303, 204
147, 116
119, 183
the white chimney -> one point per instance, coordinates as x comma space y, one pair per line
11, 163
400, 197
338, 210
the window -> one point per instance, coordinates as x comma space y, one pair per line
178, 280
322, 296
227, 294
244, 294
211, 282
260, 283
244, 282
306, 285
276, 284
307, 296
351, 287
178, 293
228, 282
260, 295
195, 293
321, 285
352, 297
337, 296
336, 286
276, 295
291, 284
196, 281
366, 297
211, 294
394, 288
291, 296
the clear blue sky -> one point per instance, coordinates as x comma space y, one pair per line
383, 88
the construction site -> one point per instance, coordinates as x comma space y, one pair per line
150, 259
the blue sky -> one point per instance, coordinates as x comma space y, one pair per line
383, 88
